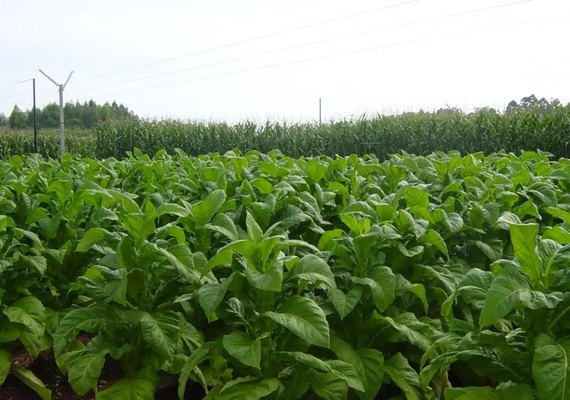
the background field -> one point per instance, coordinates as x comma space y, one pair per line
484, 131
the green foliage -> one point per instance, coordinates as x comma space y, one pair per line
263, 276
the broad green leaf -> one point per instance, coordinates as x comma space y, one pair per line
313, 269
305, 359
551, 367
32, 381
211, 295
346, 372
514, 392
139, 387
243, 348
316, 170
160, 332
191, 364
404, 376
524, 237
507, 219
368, 365
262, 184
408, 329
512, 289
419, 290
204, 211
83, 368
79, 320
557, 233
434, 238
224, 225
172, 209
329, 387
254, 232
5, 222
416, 197
28, 311
247, 389
4, 365
90, 237
268, 281
344, 303
37, 263
382, 284
304, 318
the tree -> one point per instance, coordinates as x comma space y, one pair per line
17, 118
3, 121
532, 102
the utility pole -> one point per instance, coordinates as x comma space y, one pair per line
35, 124
320, 111
60, 88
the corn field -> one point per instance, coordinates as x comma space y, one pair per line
417, 133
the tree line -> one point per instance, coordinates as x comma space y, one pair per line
77, 115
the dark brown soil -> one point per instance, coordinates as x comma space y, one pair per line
45, 368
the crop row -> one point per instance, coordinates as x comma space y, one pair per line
420, 133
263, 276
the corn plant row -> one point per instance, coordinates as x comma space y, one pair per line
261, 276
420, 133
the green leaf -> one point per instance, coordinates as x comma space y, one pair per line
32, 381
5, 222
382, 284
305, 359
79, 320
344, 303
191, 364
204, 211
512, 289
304, 318
408, 329
172, 209
404, 376
4, 365
524, 237
316, 170
346, 372
37, 263
551, 367
515, 392
248, 389
416, 197
434, 238
211, 295
313, 269
329, 387
139, 387
160, 332
254, 232
224, 225
243, 348
28, 311
90, 237
269, 281
83, 368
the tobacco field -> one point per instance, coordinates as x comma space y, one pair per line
261, 276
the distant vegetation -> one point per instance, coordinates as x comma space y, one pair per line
530, 124
77, 115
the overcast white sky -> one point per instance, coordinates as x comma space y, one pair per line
273, 59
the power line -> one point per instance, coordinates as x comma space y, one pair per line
256, 38
272, 34
329, 40
362, 50
266, 67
